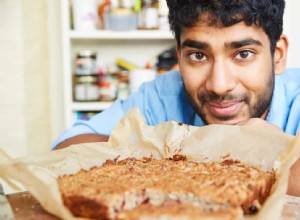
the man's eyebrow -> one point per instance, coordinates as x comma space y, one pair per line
242, 43
195, 44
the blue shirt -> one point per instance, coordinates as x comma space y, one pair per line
164, 99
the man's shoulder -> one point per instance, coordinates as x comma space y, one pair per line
291, 78
169, 83
291, 83
164, 99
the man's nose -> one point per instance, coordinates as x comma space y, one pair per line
220, 79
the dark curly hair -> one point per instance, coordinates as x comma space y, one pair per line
267, 14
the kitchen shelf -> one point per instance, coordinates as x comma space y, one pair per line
90, 106
135, 46
121, 35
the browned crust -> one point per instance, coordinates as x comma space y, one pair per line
101, 192
83, 206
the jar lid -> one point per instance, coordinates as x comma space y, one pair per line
86, 54
86, 79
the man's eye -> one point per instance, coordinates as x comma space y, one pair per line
197, 56
245, 54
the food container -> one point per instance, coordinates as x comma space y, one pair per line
86, 88
148, 16
85, 15
85, 63
120, 19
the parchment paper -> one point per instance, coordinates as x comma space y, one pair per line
267, 147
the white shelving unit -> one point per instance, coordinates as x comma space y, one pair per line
135, 46
122, 35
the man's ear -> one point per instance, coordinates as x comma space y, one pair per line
280, 54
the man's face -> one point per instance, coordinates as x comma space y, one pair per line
227, 72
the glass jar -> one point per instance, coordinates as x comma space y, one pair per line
85, 63
148, 17
86, 88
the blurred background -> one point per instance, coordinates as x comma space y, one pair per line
64, 60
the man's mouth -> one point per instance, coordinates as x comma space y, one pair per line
225, 109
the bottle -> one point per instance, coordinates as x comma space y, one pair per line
85, 15
163, 11
107, 87
148, 17
123, 85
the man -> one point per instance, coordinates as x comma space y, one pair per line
231, 56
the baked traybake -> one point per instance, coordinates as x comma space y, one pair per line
178, 211
159, 189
